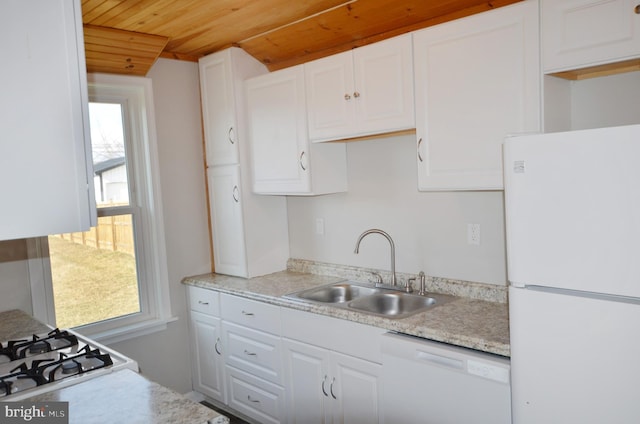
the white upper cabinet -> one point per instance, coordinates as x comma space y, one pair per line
368, 90
283, 160
477, 80
220, 73
582, 33
46, 176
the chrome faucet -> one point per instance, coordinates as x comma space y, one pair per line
393, 250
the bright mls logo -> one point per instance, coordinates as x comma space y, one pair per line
34, 412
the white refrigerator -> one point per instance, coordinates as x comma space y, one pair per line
572, 203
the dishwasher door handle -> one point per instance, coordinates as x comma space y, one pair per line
440, 360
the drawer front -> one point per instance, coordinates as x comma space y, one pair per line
258, 315
255, 398
204, 300
255, 352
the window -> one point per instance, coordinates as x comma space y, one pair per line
111, 281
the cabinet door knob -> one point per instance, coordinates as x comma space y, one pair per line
356, 94
347, 97
236, 194
420, 155
637, 9
301, 162
230, 136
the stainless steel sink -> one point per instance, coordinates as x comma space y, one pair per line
369, 299
393, 304
335, 293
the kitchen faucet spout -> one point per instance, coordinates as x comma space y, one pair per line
393, 250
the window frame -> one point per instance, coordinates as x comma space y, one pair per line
136, 96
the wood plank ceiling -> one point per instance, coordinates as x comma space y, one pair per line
127, 36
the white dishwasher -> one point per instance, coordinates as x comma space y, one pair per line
426, 382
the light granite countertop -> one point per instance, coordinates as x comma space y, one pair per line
125, 396
465, 321
16, 324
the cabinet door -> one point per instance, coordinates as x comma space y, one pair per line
45, 169
218, 109
355, 390
580, 33
207, 361
278, 132
383, 93
307, 383
227, 226
477, 80
330, 97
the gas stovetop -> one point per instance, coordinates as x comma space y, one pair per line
51, 361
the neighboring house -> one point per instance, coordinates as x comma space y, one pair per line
110, 181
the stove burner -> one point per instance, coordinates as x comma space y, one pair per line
39, 347
71, 367
54, 340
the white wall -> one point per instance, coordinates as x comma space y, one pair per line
429, 229
15, 292
606, 101
164, 356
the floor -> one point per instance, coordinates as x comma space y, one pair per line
232, 419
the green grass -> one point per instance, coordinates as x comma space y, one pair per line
90, 284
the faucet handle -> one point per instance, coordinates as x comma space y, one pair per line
408, 286
377, 277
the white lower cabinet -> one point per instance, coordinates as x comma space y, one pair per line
207, 360
253, 358
329, 387
331, 369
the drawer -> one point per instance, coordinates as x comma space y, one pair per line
253, 351
257, 315
204, 300
254, 397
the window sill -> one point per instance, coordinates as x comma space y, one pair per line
128, 332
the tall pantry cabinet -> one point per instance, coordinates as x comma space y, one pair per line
250, 233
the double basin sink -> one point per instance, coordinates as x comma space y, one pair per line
369, 299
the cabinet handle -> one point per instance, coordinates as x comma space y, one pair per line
419, 155
230, 134
301, 163
356, 94
236, 194
252, 400
347, 97
637, 9
246, 352
203, 303
331, 388
324, 392
249, 314
216, 346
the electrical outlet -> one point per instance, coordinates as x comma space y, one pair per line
473, 234
319, 226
